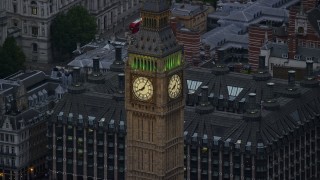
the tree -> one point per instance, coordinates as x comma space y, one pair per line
76, 26
12, 57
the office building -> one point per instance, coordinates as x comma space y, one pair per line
30, 20
26, 100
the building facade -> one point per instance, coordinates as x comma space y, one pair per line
86, 132
32, 19
26, 101
3, 23
299, 44
192, 16
154, 99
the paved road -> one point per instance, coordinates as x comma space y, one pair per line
121, 28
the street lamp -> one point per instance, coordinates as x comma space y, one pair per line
30, 170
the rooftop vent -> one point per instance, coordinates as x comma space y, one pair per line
253, 111
118, 64
119, 95
262, 73
270, 103
190, 98
76, 76
204, 105
96, 65
77, 86
96, 76
291, 90
309, 80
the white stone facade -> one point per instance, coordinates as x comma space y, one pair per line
32, 18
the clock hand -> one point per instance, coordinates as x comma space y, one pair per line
174, 86
141, 89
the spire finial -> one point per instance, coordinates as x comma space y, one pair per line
301, 12
266, 37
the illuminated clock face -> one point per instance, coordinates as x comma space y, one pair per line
174, 88
142, 88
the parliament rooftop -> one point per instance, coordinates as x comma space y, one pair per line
236, 126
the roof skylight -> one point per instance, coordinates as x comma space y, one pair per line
234, 91
193, 85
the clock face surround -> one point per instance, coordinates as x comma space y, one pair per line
174, 87
142, 88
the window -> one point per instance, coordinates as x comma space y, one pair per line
34, 47
34, 31
297, 57
300, 30
309, 58
13, 162
43, 32
14, 8
284, 55
12, 138
312, 45
34, 8
7, 125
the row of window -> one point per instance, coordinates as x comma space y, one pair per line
308, 44
6, 161
7, 137
7, 149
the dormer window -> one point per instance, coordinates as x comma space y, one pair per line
34, 8
297, 57
309, 58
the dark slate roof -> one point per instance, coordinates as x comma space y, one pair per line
29, 78
226, 125
98, 101
231, 126
314, 17
183, 9
155, 43
155, 5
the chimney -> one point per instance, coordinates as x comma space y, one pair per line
121, 82
262, 62
270, 93
291, 77
96, 65
252, 101
204, 106
76, 76
204, 96
309, 80
309, 68
270, 103
190, 98
118, 64
118, 54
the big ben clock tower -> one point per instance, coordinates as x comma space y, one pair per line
154, 99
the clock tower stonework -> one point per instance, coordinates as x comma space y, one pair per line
154, 98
